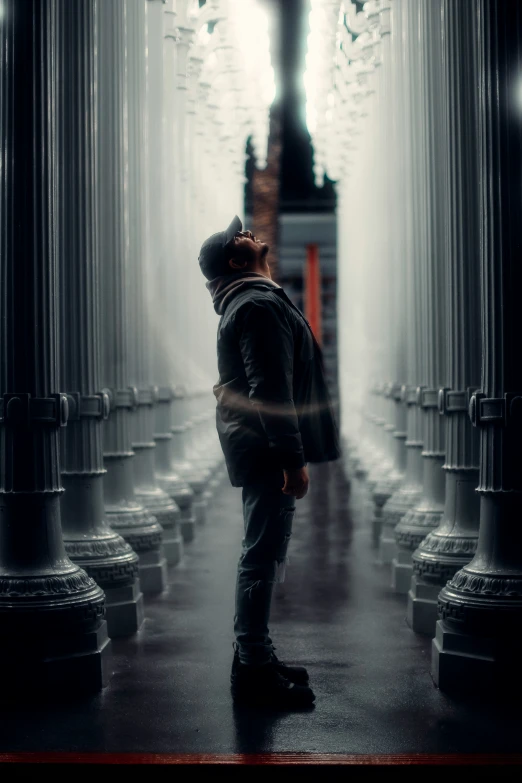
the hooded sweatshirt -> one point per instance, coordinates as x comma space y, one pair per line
224, 288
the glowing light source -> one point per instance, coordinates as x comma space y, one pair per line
343, 50
251, 33
233, 42
518, 94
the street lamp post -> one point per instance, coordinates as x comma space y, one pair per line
123, 511
480, 609
453, 543
160, 299
410, 357
147, 490
89, 541
429, 150
54, 635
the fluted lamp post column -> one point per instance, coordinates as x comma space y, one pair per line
159, 256
453, 543
147, 490
390, 308
394, 325
409, 492
478, 642
178, 37
123, 511
89, 541
53, 631
431, 316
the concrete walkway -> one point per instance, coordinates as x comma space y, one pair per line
335, 613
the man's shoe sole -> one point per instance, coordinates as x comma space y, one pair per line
288, 672
262, 700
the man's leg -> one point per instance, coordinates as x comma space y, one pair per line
268, 516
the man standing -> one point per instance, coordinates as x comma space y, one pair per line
273, 416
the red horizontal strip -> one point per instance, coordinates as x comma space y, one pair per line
263, 758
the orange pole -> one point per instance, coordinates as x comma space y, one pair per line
313, 291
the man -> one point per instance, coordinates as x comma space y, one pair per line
273, 416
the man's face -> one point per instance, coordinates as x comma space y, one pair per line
246, 247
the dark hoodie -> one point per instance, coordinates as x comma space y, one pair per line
224, 288
273, 406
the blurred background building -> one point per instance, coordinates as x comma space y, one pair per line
283, 203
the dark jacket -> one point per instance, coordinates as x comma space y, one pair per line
273, 406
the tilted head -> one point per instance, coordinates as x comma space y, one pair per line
231, 251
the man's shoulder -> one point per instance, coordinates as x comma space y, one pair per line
251, 298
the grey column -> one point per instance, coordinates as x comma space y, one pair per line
159, 256
147, 491
89, 541
478, 640
393, 324
177, 41
196, 476
430, 157
123, 511
54, 635
391, 481
379, 462
404, 19
450, 546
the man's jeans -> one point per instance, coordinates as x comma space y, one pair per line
268, 515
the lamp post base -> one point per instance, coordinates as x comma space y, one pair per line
173, 546
467, 664
152, 571
402, 572
387, 546
124, 610
74, 664
376, 524
421, 614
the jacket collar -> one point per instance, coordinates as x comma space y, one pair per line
225, 288
282, 293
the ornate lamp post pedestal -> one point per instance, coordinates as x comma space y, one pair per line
480, 609
418, 521
54, 635
130, 519
444, 550
148, 491
410, 492
366, 447
169, 479
196, 478
101, 552
391, 482
382, 464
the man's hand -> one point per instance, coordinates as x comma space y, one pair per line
296, 482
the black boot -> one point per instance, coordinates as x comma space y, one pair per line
264, 686
296, 674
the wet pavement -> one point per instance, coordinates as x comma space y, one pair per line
335, 613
